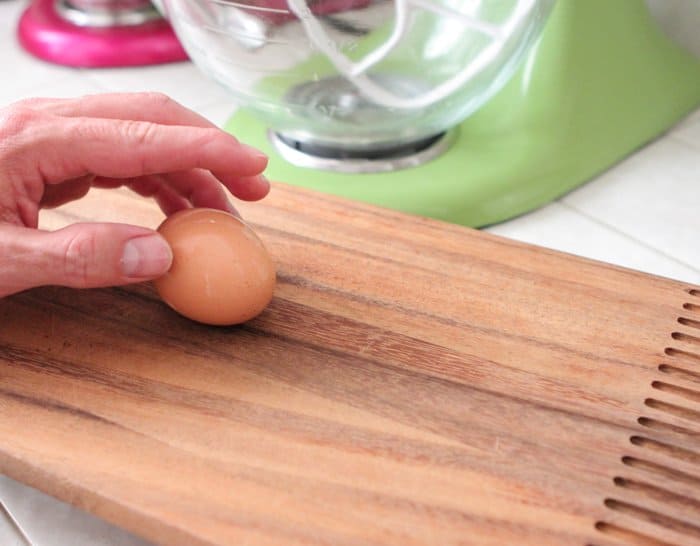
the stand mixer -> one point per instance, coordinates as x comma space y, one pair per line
98, 33
469, 111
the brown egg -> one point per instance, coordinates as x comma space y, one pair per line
221, 273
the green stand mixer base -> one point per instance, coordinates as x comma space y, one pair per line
602, 82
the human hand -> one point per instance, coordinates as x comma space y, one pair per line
53, 151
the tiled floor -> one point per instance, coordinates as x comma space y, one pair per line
643, 214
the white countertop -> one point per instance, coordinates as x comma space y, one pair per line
643, 214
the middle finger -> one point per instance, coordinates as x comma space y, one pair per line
198, 187
152, 107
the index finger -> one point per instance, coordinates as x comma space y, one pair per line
74, 147
153, 107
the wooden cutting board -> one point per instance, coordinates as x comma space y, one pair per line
412, 383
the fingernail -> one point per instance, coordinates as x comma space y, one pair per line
255, 152
147, 256
267, 183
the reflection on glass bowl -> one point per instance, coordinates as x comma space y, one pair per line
359, 74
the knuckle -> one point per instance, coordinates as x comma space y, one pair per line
14, 120
139, 132
78, 257
212, 136
159, 100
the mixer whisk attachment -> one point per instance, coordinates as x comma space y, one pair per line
356, 72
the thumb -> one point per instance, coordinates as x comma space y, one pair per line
80, 256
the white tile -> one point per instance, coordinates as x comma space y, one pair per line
8, 534
74, 85
689, 131
691, 119
653, 197
58, 523
181, 81
18, 69
10, 10
560, 228
20, 72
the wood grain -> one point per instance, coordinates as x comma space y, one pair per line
412, 383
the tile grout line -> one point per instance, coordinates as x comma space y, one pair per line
687, 143
627, 236
14, 524
688, 121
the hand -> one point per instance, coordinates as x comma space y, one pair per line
54, 151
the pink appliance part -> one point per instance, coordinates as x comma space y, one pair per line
46, 35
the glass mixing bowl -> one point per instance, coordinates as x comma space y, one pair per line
359, 75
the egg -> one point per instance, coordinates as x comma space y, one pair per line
221, 273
